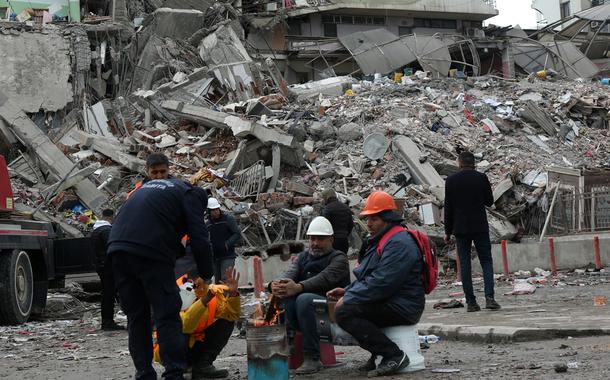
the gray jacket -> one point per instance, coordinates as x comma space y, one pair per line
319, 274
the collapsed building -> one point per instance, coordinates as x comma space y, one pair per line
218, 88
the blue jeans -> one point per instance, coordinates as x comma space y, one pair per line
483, 246
301, 316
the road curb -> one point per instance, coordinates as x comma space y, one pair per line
503, 334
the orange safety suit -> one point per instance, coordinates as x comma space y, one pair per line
198, 317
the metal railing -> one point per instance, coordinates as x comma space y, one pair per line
580, 212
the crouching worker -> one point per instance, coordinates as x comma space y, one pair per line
388, 290
208, 317
312, 274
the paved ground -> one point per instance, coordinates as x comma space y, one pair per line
76, 350
563, 306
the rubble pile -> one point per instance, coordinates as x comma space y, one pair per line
186, 85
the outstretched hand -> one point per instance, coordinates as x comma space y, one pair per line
232, 280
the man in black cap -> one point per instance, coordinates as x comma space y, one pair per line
340, 217
144, 242
466, 195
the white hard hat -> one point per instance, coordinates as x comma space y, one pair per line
320, 226
213, 203
187, 295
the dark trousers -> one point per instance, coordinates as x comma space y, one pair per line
108, 293
142, 284
483, 246
364, 323
220, 266
341, 244
203, 353
301, 316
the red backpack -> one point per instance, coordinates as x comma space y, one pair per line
430, 271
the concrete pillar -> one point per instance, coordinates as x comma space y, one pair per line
508, 63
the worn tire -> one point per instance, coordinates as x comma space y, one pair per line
16, 287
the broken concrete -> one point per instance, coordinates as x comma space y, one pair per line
243, 128
40, 145
335, 86
36, 70
204, 116
349, 132
110, 149
423, 172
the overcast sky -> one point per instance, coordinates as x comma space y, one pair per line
513, 12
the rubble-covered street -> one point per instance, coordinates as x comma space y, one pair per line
561, 306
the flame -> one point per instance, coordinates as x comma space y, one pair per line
261, 318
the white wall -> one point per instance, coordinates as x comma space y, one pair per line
552, 9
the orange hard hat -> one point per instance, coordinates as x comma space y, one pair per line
377, 202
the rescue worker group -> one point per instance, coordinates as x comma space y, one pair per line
168, 255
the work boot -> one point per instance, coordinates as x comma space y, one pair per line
390, 365
208, 372
473, 307
369, 365
112, 326
310, 365
491, 304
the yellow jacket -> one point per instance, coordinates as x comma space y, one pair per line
194, 319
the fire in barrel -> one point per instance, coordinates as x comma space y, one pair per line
267, 342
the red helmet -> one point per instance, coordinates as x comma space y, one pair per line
377, 202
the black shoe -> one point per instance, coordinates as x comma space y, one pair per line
391, 365
491, 304
209, 372
369, 365
112, 326
473, 307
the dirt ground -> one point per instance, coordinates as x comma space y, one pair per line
75, 350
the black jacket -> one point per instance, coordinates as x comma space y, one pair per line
340, 216
466, 195
154, 219
319, 274
224, 235
99, 239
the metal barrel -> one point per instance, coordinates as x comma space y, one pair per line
268, 352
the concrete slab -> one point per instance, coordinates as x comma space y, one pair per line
422, 172
40, 64
204, 116
38, 143
176, 23
109, 148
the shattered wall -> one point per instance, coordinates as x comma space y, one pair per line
40, 65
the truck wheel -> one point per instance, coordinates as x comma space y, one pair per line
16, 287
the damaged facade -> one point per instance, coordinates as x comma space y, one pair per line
307, 42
